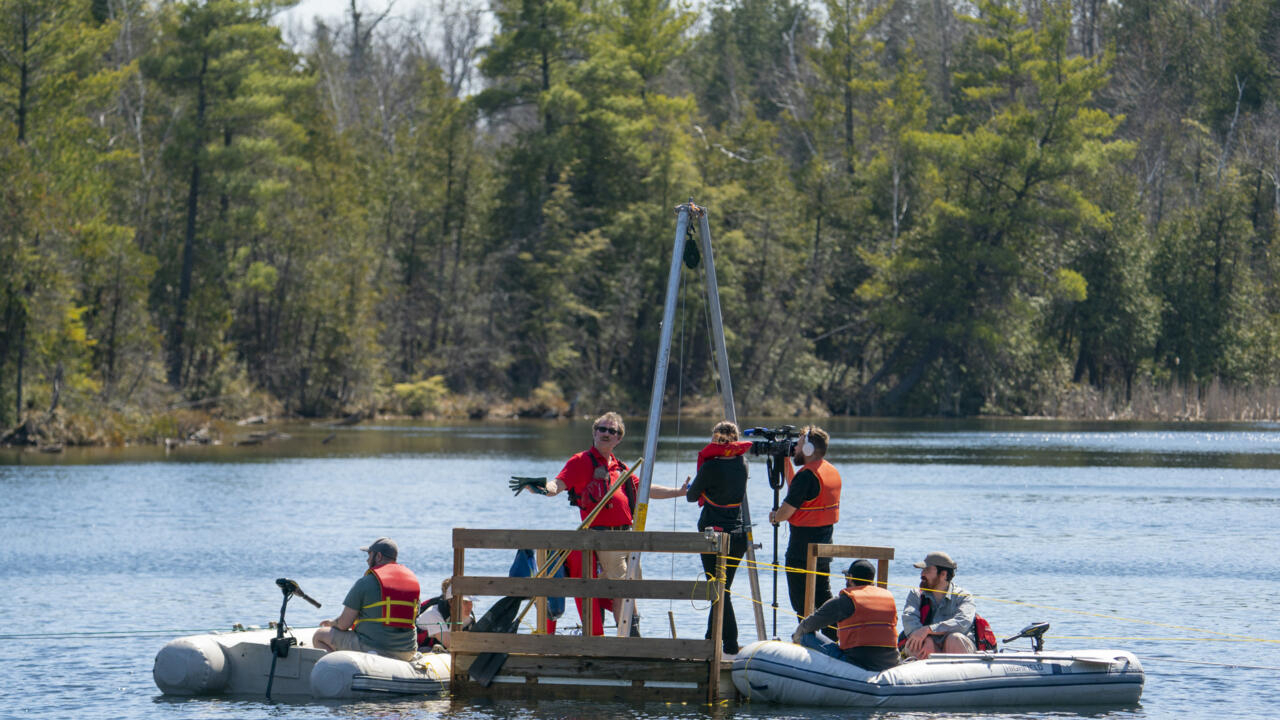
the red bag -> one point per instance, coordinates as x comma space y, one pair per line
986, 639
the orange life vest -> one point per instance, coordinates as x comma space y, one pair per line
825, 508
874, 622
399, 603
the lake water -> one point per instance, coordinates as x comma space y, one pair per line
1154, 539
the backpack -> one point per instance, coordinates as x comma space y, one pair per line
984, 638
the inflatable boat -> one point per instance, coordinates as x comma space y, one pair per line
239, 663
786, 673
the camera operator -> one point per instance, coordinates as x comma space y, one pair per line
812, 506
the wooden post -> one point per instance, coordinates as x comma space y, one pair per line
717, 621
810, 579
455, 605
540, 559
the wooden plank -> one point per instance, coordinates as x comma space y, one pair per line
474, 643
607, 668
540, 604
533, 690
810, 580
455, 604
666, 542
583, 588
717, 622
882, 556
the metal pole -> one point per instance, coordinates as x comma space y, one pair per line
652, 428
730, 412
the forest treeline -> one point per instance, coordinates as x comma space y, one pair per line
918, 207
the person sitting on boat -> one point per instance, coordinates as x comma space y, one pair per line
938, 616
586, 476
434, 626
812, 506
719, 486
379, 611
866, 620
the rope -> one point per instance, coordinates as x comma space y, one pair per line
1224, 636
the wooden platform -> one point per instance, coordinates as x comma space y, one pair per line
627, 669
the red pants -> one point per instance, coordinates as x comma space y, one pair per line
573, 566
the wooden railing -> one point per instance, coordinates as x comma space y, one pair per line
584, 667
882, 556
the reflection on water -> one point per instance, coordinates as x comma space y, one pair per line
1144, 537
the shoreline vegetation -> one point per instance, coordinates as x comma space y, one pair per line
190, 423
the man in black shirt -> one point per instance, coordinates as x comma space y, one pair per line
812, 506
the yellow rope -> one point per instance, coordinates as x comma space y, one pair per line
1223, 635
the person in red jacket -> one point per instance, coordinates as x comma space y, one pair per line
812, 506
586, 477
379, 612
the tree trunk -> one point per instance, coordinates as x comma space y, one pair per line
178, 339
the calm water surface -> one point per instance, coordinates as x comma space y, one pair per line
1126, 536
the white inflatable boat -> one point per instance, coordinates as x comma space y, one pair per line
786, 673
239, 663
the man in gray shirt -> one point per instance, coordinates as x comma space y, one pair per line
380, 610
937, 616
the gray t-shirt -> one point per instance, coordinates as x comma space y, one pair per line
367, 591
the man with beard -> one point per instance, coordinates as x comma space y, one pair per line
937, 616
812, 506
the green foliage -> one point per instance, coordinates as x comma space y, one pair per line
423, 396
918, 207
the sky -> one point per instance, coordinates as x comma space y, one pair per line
297, 20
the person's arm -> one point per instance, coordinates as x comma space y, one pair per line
804, 487
911, 612
831, 613
344, 621
962, 620
661, 492
699, 485
555, 486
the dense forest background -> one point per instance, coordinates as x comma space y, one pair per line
919, 207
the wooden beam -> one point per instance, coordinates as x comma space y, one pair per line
568, 645
667, 670
882, 556
584, 588
664, 542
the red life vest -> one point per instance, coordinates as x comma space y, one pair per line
874, 622
723, 450
617, 510
399, 604
825, 508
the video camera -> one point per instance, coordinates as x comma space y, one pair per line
779, 441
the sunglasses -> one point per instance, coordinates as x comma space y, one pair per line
608, 430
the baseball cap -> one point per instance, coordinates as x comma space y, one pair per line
384, 545
937, 558
861, 570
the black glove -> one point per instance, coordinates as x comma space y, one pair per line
518, 484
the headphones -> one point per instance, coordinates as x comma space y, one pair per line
807, 448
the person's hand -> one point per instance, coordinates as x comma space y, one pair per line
916, 640
326, 623
687, 482
773, 517
796, 636
537, 485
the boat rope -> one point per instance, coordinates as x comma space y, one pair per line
1086, 613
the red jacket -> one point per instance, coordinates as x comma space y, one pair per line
578, 475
